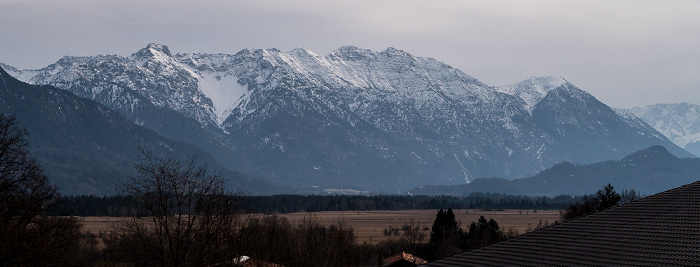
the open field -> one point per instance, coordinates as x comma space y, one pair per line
99, 224
369, 225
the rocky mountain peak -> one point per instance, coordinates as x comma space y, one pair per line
153, 50
679, 122
301, 52
396, 52
352, 53
534, 89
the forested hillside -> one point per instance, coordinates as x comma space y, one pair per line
647, 171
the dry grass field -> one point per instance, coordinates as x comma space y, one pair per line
369, 225
98, 224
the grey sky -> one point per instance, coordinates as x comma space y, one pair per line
626, 53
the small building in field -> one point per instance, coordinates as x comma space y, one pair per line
658, 230
245, 261
403, 259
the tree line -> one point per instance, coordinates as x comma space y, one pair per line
114, 206
485, 201
603, 199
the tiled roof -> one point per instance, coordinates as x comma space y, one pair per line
403, 256
659, 230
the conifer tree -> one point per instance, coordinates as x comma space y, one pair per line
445, 229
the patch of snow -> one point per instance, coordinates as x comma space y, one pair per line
20, 74
541, 151
222, 89
680, 123
467, 175
533, 90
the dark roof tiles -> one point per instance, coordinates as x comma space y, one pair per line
659, 230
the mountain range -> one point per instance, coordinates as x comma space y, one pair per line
679, 122
355, 118
86, 148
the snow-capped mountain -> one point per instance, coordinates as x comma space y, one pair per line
353, 118
533, 90
679, 122
87, 148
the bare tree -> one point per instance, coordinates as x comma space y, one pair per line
274, 239
27, 235
628, 196
183, 217
410, 233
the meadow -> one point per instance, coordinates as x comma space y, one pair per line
369, 225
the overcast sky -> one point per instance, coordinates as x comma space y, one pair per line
625, 53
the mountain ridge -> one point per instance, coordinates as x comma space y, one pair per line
534, 89
86, 148
680, 122
353, 118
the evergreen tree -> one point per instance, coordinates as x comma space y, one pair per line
445, 229
483, 233
608, 197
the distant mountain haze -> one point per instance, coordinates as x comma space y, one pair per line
679, 122
648, 171
382, 121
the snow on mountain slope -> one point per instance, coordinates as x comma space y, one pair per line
580, 121
222, 89
207, 87
86, 149
638, 123
679, 122
385, 92
533, 90
18, 73
150, 75
378, 120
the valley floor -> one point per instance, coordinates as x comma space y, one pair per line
369, 225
